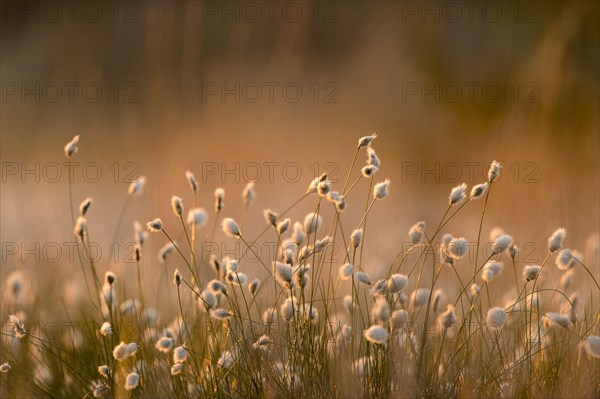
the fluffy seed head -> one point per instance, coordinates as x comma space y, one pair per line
132, 349
177, 205
491, 270
494, 171
164, 345
132, 381
136, 187
416, 232
284, 273
478, 190
501, 244
220, 314
372, 158
557, 318
592, 346
120, 352
420, 297
110, 278
555, 242
458, 194
496, 317
298, 235
80, 227
249, 194
369, 170
283, 226
139, 235
177, 278
565, 260
18, 327
180, 354
531, 272
155, 225
356, 238
197, 217
362, 278
104, 371
475, 290
376, 335
230, 227
382, 189
270, 217
71, 147
177, 368
165, 251
345, 271
226, 360
85, 206
192, 181
458, 248
397, 282
365, 141
448, 318
207, 300
254, 286
219, 198
312, 223
106, 329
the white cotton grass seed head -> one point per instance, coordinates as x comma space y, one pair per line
254, 286
419, 297
376, 335
491, 270
496, 317
136, 187
366, 141
356, 238
298, 234
110, 278
165, 251
283, 226
458, 194
415, 233
192, 181
220, 314
231, 228
106, 329
564, 259
120, 352
249, 194
494, 171
478, 190
346, 271
177, 368
155, 225
288, 309
362, 278
552, 318
380, 313
4, 367
219, 199
458, 248
396, 282
71, 147
312, 223
197, 217
513, 251
85, 206
80, 228
447, 318
555, 242
566, 280
269, 316
399, 319
132, 381
139, 235
226, 360
323, 188
501, 244
270, 217
592, 346
132, 349
381, 190
531, 272
284, 274
18, 326
104, 371
164, 344
475, 289
207, 300
369, 170
348, 304
180, 354
372, 158
177, 205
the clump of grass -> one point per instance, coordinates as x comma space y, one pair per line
419, 327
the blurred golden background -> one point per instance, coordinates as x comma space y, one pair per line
280, 92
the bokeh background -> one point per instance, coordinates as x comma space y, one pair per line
380, 66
